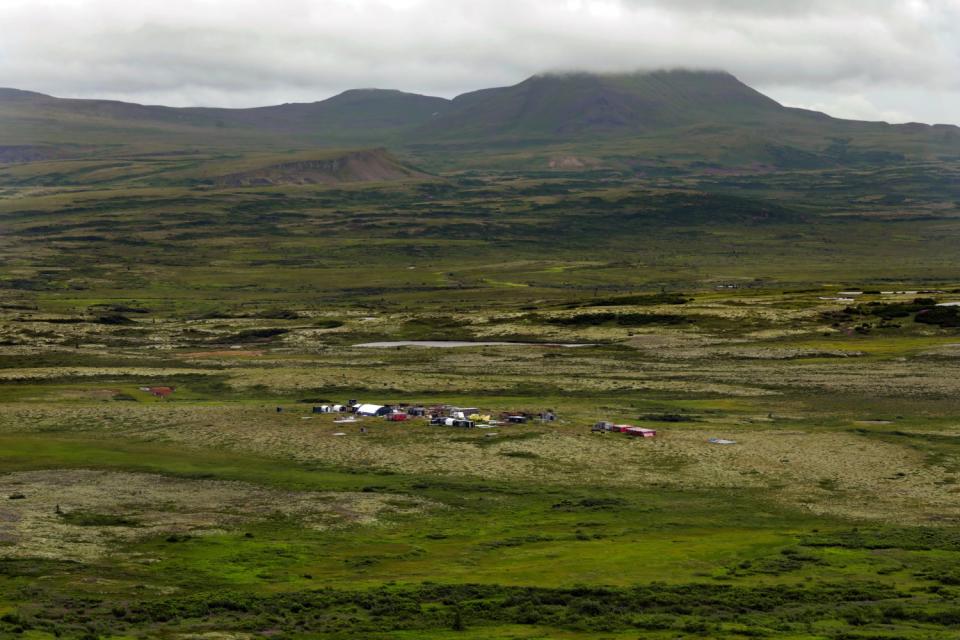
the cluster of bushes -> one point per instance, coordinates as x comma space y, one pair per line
949, 576
940, 316
691, 208
690, 608
527, 455
621, 319
252, 335
786, 561
591, 504
643, 299
893, 310
114, 319
923, 310
910, 538
118, 308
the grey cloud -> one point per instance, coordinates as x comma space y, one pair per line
889, 58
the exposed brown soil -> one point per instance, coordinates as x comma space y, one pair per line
374, 165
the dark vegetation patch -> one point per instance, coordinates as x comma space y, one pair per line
114, 319
119, 308
939, 316
890, 311
52, 320
788, 560
667, 417
517, 541
74, 359
106, 318
685, 610
648, 299
591, 504
909, 538
328, 323
90, 519
707, 208
949, 576
620, 319
252, 335
278, 314
33, 567
923, 310
527, 455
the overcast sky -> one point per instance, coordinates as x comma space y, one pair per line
895, 60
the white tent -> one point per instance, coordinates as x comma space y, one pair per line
369, 409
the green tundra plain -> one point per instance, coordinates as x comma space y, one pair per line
799, 310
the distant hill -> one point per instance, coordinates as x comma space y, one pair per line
647, 120
358, 114
567, 105
636, 120
37, 120
18, 94
41, 105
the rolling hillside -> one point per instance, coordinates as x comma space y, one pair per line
704, 119
686, 118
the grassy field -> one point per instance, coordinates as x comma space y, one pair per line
706, 305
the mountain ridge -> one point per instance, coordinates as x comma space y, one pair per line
691, 116
350, 95
577, 102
